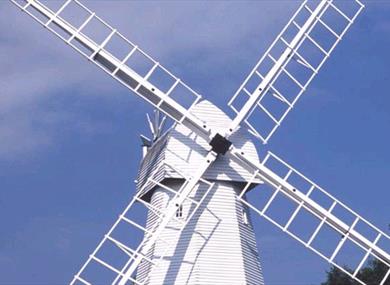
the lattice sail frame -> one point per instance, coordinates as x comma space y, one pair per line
316, 219
97, 51
103, 45
289, 65
107, 252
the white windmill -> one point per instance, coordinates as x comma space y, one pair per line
194, 178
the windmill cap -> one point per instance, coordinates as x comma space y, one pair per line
185, 150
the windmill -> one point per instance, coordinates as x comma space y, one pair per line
194, 178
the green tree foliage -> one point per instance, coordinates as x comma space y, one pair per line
372, 274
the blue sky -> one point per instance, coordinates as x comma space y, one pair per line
69, 134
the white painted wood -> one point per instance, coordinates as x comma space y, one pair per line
216, 247
113, 64
258, 113
184, 149
330, 216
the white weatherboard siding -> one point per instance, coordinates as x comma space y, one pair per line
185, 150
218, 245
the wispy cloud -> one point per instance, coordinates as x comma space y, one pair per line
189, 37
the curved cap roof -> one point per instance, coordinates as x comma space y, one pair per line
185, 150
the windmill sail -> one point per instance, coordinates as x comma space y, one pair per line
103, 45
316, 219
127, 244
285, 71
272, 88
199, 251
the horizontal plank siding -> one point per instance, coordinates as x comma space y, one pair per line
218, 245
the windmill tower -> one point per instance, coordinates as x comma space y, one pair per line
189, 221
217, 246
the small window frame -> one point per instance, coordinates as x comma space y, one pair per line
245, 218
179, 211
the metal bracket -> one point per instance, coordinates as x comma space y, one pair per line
220, 144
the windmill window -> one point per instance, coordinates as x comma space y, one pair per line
245, 217
179, 211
